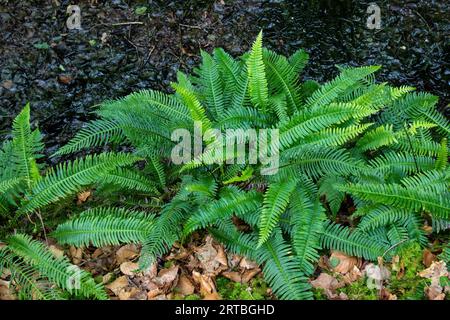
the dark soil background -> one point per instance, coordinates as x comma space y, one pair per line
65, 73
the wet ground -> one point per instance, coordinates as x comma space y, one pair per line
65, 73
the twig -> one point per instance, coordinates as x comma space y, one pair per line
393, 246
189, 26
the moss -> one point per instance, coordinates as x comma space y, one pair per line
229, 290
405, 282
359, 290
192, 297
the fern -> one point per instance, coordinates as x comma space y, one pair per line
59, 271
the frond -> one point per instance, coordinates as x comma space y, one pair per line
228, 204
96, 133
308, 225
26, 146
379, 137
258, 88
276, 200
211, 85
337, 237
130, 180
298, 60
400, 197
59, 271
68, 178
328, 92
105, 226
281, 77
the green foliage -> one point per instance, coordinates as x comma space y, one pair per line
346, 143
31, 261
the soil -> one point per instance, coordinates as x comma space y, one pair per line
65, 73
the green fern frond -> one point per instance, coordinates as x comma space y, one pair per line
400, 197
95, 134
59, 271
276, 200
258, 88
68, 178
130, 180
337, 237
26, 146
105, 226
228, 204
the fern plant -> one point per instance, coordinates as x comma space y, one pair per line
348, 142
26, 188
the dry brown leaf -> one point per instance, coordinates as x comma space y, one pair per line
127, 253
435, 292
233, 260
329, 284
247, 264
153, 290
83, 196
185, 286
118, 285
437, 270
353, 275
212, 260
250, 274
428, 257
97, 253
6, 292
344, 263
76, 254
212, 296
207, 285
160, 297
132, 293
57, 251
167, 278
232, 275
128, 268
107, 278
326, 281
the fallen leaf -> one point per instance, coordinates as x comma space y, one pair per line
185, 286
250, 274
76, 254
118, 285
207, 286
326, 281
6, 292
97, 253
132, 293
126, 253
232, 275
107, 278
167, 278
329, 284
212, 260
234, 260
435, 292
353, 275
342, 263
57, 251
428, 258
247, 264
212, 296
437, 270
128, 268
153, 290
